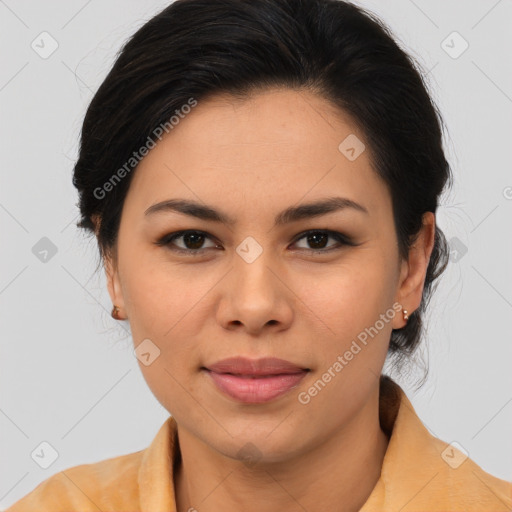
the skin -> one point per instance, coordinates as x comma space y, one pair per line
251, 159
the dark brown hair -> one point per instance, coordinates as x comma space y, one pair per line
198, 48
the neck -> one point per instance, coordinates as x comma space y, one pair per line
338, 474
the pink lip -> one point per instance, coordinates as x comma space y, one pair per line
256, 389
254, 367
255, 380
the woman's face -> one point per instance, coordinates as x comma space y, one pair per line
256, 288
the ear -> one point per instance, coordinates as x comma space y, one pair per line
112, 275
413, 270
114, 286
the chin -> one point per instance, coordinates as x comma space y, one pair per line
257, 448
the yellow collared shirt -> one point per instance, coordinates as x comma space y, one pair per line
420, 473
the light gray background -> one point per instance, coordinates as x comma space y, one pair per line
68, 374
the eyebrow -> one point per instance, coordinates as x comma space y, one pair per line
291, 214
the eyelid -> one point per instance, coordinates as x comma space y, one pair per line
342, 239
339, 237
166, 241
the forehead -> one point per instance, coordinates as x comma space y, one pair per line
273, 143
279, 124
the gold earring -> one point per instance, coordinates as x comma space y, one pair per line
406, 316
115, 313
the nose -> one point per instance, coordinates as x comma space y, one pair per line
255, 298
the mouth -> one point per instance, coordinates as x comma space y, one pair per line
264, 366
255, 380
255, 389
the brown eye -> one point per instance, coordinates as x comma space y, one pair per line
318, 240
192, 241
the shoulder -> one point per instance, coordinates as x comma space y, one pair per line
105, 485
422, 472
467, 483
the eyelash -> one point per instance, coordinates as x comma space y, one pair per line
169, 238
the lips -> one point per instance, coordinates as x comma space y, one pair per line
255, 367
255, 380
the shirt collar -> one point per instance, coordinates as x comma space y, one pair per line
403, 482
156, 484
422, 472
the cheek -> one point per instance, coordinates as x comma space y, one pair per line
349, 296
146, 281
166, 384
164, 299
350, 302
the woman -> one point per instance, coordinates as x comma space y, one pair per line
262, 178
